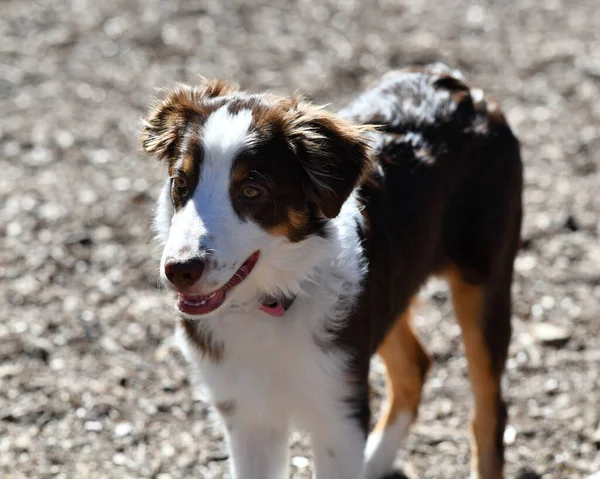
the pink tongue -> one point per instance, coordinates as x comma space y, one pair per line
274, 309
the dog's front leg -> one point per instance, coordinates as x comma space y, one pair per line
338, 447
258, 451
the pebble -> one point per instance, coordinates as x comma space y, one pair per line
525, 263
167, 450
123, 429
551, 386
22, 443
93, 426
551, 334
300, 462
510, 435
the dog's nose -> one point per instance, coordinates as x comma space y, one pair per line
184, 274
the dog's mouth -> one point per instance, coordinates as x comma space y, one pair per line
197, 305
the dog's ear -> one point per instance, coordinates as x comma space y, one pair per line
333, 152
165, 126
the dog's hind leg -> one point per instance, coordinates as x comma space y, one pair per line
483, 312
406, 363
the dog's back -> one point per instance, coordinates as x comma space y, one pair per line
446, 187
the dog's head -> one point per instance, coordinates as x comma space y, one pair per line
253, 182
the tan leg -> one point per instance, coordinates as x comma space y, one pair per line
406, 363
485, 332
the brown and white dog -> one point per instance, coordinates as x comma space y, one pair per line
296, 239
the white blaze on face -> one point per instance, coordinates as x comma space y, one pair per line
207, 222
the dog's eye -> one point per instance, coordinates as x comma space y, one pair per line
251, 192
180, 182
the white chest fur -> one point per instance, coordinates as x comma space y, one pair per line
274, 367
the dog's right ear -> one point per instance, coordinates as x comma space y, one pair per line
165, 126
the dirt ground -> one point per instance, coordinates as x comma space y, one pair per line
90, 383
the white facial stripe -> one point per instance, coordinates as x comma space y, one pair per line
208, 223
226, 134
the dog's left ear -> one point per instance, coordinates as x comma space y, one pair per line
166, 123
333, 152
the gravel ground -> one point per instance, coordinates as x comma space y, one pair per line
91, 385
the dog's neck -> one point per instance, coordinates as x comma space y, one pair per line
335, 280
321, 270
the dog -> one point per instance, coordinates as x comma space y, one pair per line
296, 240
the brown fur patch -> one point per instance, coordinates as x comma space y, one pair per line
188, 167
217, 87
203, 341
183, 109
305, 158
406, 363
333, 152
296, 221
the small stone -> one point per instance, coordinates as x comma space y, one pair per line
510, 435
9, 370
300, 462
551, 386
161, 353
537, 311
525, 263
64, 139
22, 443
475, 14
56, 364
551, 334
547, 302
13, 229
123, 429
109, 345
95, 426
167, 451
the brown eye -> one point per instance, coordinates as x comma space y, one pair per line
250, 192
180, 182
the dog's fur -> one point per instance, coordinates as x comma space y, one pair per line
420, 175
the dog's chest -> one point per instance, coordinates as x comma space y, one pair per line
274, 367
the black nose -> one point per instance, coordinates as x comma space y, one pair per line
184, 274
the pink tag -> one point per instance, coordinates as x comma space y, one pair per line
274, 310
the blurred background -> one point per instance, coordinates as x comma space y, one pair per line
90, 383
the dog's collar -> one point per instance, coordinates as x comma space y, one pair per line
277, 306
